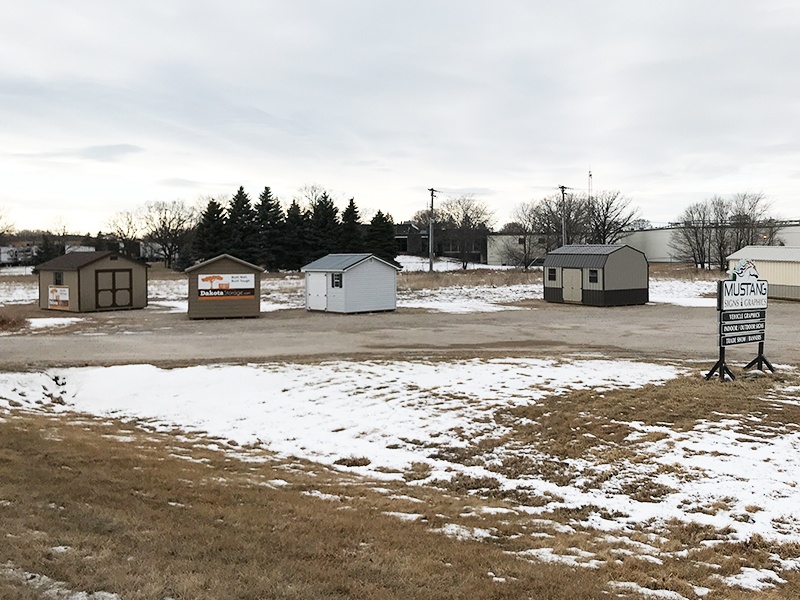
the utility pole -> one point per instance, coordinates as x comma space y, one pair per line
564, 189
430, 231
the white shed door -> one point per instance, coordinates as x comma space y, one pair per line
316, 291
573, 285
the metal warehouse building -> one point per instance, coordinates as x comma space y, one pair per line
224, 287
779, 265
597, 275
351, 283
92, 281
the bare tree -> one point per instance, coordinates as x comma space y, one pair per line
750, 221
524, 246
126, 227
608, 216
572, 208
691, 241
471, 219
6, 226
168, 225
720, 237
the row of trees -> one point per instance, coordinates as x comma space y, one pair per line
264, 234
261, 233
711, 230
559, 219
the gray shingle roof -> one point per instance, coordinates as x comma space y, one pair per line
210, 261
72, 261
341, 262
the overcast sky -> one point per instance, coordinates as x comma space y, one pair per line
107, 105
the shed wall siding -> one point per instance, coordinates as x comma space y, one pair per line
337, 296
70, 281
223, 308
626, 269
786, 292
370, 286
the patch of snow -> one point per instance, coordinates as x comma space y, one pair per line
630, 586
48, 322
754, 580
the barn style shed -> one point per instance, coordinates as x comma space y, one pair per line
92, 281
351, 283
597, 275
224, 287
779, 265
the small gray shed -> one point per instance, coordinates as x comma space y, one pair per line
224, 287
351, 283
92, 281
779, 265
597, 275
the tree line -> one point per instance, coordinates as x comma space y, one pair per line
708, 232
260, 232
567, 218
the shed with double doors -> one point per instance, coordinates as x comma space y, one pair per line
778, 265
92, 281
224, 287
596, 275
351, 283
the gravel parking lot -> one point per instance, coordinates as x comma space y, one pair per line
166, 338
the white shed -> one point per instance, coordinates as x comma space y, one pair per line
779, 265
351, 283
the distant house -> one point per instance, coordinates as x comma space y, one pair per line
778, 265
92, 281
597, 275
351, 283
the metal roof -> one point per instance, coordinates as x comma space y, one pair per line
769, 253
73, 261
581, 256
210, 261
342, 262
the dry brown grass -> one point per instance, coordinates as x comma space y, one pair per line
417, 280
153, 515
9, 322
146, 516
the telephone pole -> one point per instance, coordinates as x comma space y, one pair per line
564, 189
430, 231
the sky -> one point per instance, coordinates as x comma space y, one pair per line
107, 106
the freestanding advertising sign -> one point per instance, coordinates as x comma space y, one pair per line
742, 315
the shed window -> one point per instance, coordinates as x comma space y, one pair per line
58, 278
551, 274
336, 280
592, 275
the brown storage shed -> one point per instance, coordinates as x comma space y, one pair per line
597, 275
224, 287
92, 281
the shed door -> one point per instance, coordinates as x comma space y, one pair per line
573, 285
114, 288
316, 291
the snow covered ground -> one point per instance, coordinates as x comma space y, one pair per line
396, 414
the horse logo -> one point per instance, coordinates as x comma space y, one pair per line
745, 270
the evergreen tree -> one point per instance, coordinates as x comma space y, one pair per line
295, 239
209, 235
270, 225
48, 250
240, 228
324, 227
352, 238
380, 237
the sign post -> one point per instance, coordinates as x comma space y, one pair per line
742, 311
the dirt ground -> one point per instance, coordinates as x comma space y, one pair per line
654, 331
